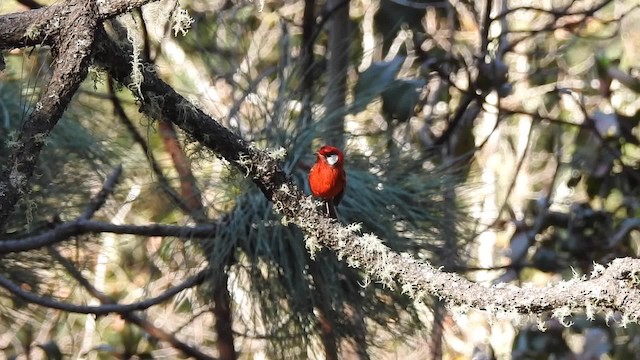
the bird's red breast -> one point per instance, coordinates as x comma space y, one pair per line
327, 178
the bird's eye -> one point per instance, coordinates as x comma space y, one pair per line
332, 159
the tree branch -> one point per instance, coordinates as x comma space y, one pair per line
163, 181
80, 226
74, 50
106, 308
43, 25
101, 197
146, 325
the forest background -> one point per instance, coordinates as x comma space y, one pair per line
154, 161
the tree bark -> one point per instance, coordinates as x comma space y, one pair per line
72, 55
222, 314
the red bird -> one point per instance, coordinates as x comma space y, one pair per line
327, 178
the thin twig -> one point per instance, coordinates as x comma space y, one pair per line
101, 197
624, 229
137, 137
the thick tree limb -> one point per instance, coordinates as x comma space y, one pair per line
44, 25
74, 49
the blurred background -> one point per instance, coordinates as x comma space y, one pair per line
495, 139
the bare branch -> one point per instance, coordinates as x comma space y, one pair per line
163, 181
43, 25
103, 309
160, 334
78, 227
608, 289
152, 330
101, 197
110, 8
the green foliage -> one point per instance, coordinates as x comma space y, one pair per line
65, 168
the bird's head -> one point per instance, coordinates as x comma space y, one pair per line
331, 155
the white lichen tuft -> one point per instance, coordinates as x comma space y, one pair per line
285, 189
609, 315
11, 142
181, 22
372, 244
136, 61
590, 311
354, 228
383, 266
631, 318
33, 32
187, 107
366, 281
313, 245
542, 325
194, 103
598, 270
95, 74
245, 162
561, 314
420, 295
409, 289
17, 179
345, 232
353, 262
277, 154
576, 275
40, 138
624, 320
308, 204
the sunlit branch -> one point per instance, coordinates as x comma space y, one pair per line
610, 288
555, 12
43, 25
